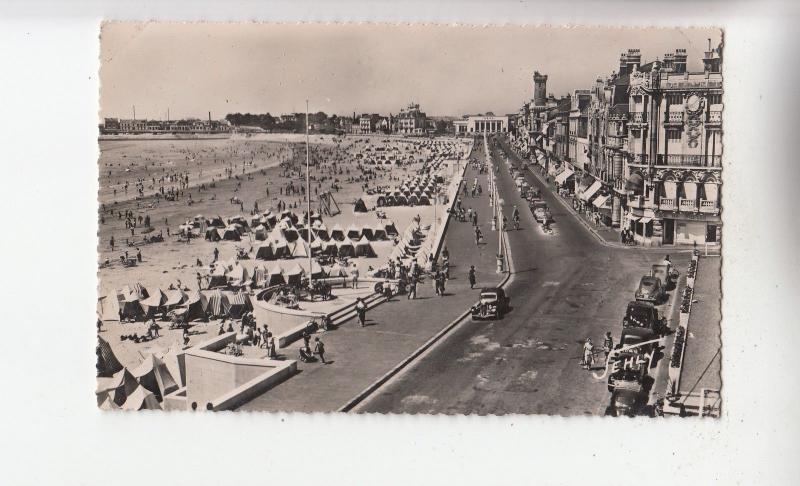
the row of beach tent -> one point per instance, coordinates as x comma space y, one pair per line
141, 305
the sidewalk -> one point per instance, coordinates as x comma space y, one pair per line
606, 236
395, 329
701, 363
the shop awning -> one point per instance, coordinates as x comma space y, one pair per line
633, 218
600, 201
645, 220
592, 189
563, 176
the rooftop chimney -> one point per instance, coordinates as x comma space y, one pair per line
634, 60
679, 63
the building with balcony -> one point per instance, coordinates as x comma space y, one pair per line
674, 157
411, 120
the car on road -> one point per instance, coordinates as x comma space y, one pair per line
650, 289
627, 401
666, 273
541, 214
493, 304
641, 314
635, 336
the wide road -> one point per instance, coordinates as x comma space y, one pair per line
565, 287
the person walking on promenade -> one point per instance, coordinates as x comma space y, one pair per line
478, 236
361, 310
319, 349
608, 345
412, 288
472, 276
354, 275
112, 243
588, 354
446, 268
216, 253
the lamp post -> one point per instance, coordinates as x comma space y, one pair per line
501, 228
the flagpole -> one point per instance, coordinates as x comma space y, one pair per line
308, 201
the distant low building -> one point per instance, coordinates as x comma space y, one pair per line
472, 124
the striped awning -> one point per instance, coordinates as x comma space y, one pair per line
588, 193
564, 175
600, 201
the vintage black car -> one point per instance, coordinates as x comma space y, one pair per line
641, 314
650, 289
627, 401
493, 304
633, 336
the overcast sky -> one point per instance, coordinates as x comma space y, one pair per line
226, 68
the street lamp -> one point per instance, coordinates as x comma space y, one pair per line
501, 227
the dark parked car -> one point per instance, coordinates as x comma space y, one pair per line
650, 289
644, 315
636, 335
493, 304
627, 402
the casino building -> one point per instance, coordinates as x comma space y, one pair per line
479, 124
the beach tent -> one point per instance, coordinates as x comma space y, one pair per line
217, 222
260, 276
275, 276
401, 200
353, 232
265, 252
330, 248
174, 298
236, 303
381, 201
213, 303
231, 233
194, 306
294, 275
379, 232
153, 374
108, 404
238, 276
212, 234
141, 399
302, 233
107, 362
270, 218
316, 247
316, 270
368, 232
413, 200
424, 200
346, 249
337, 233
260, 232
300, 249
240, 220
280, 248
172, 359
360, 207
364, 248
219, 276
108, 307
154, 304
130, 308
321, 232
120, 386
291, 234
287, 214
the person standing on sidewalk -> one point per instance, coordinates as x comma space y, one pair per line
412, 288
319, 349
588, 354
608, 345
361, 310
472, 276
478, 236
354, 274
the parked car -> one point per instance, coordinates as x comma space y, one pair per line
541, 214
666, 273
493, 304
650, 289
641, 314
633, 336
627, 401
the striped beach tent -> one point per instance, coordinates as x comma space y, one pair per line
214, 303
236, 303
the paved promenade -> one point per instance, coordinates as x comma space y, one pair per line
395, 329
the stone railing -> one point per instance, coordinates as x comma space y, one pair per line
637, 117
688, 204
667, 204
707, 206
680, 160
714, 117
674, 117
